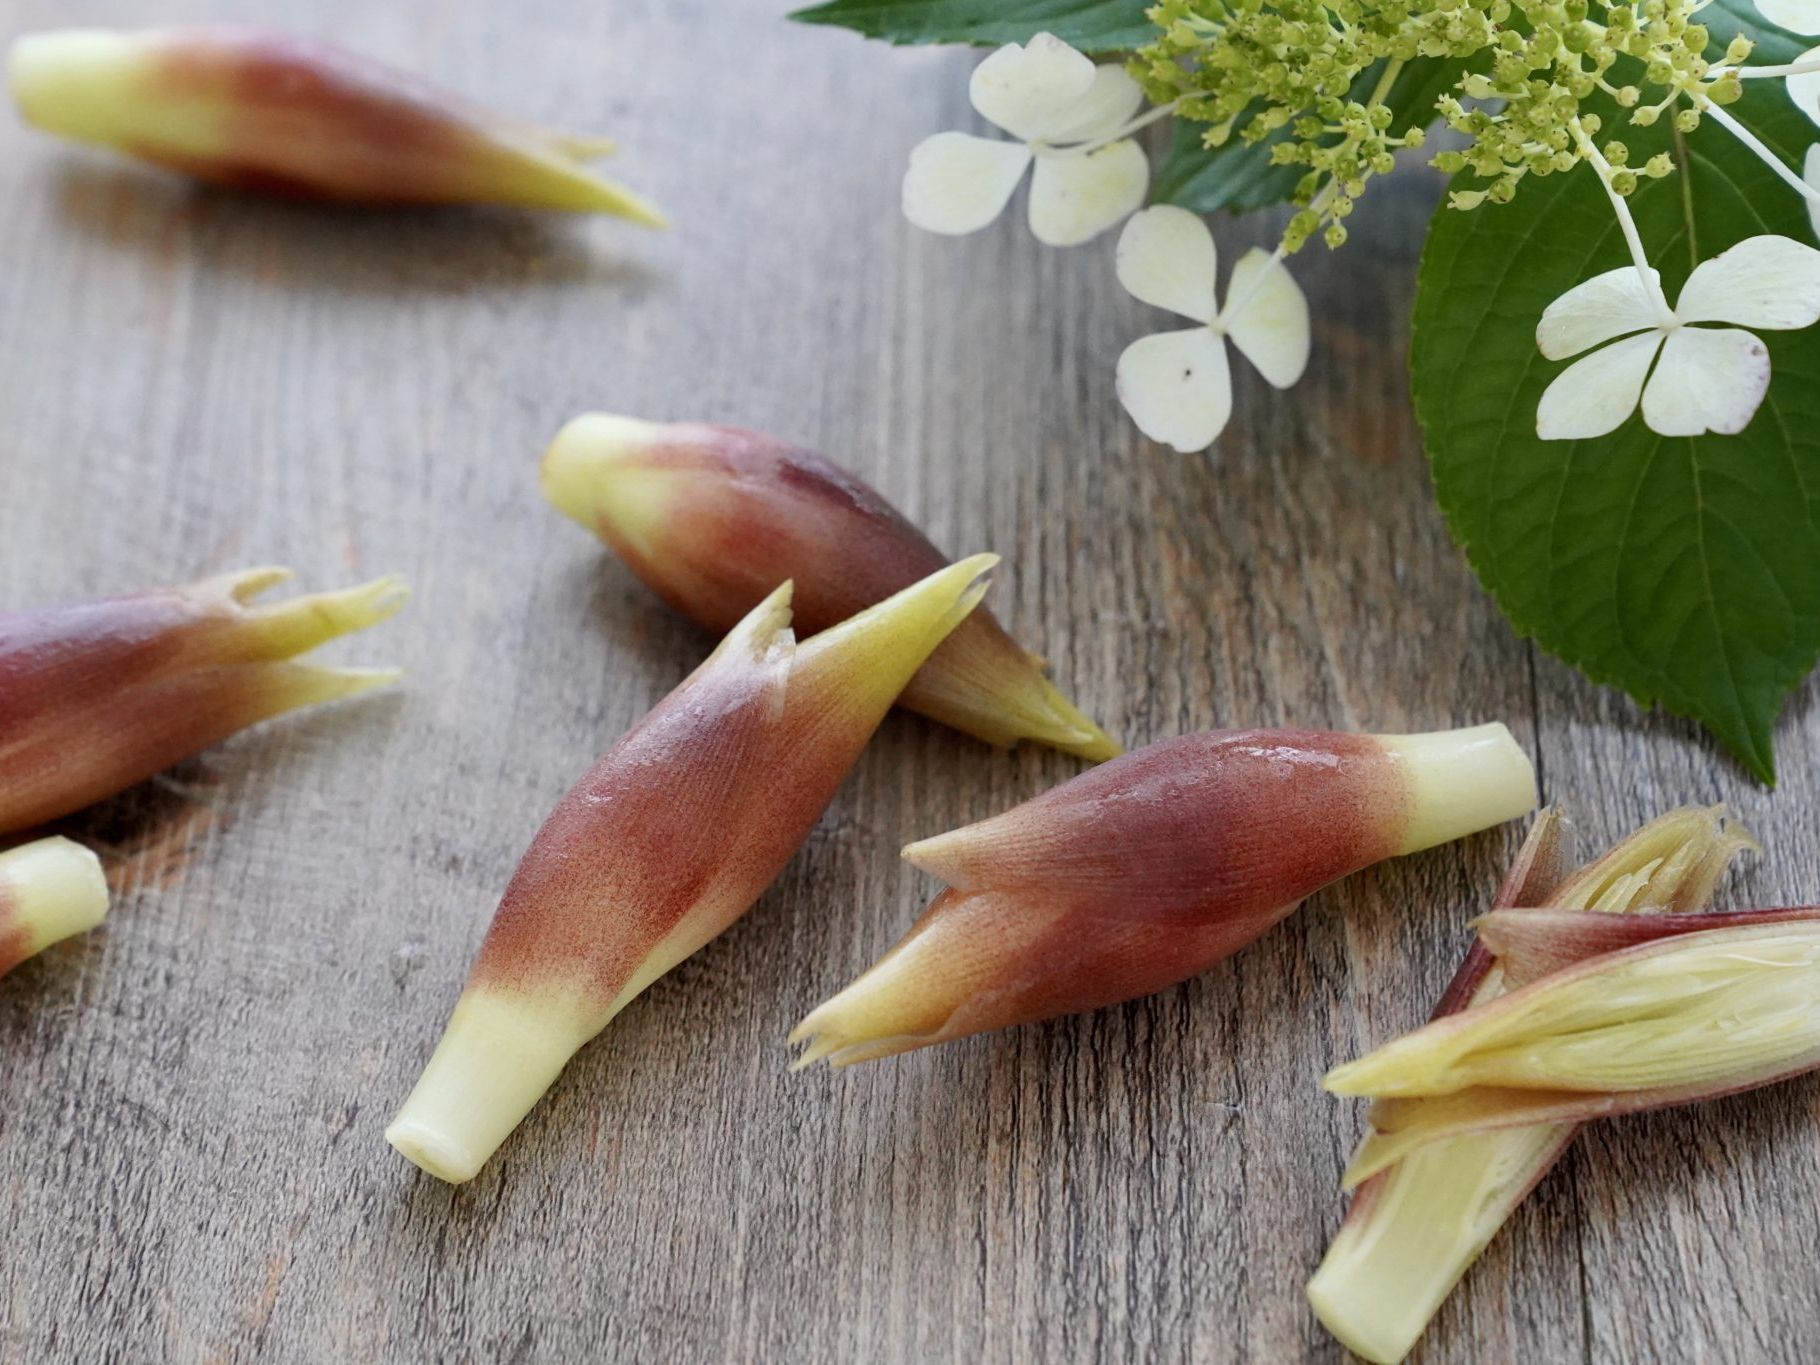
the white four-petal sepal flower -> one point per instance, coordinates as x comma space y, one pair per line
1797, 16
1056, 103
1691, 378
1804, 86
1177, 386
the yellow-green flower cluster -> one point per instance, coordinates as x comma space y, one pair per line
1317, 74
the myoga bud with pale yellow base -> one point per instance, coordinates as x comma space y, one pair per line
263, 111
664, 843
96, 696
713, 517
1151, 868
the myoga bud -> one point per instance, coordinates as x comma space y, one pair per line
713, 517
262, 111
99, 695
668, 840
1431, 1191
1141, 873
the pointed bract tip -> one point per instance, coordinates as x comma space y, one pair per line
300, 685
882, 646
243, 585
305, 622
764, 630
579, 146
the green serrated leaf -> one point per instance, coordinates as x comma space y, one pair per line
1238, 176
1091, 25
1686, 572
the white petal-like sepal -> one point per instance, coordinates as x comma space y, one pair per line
1709, 379
1804, 89
1766, 281
1177, 387
958, 183
1610, 305
1270, 324
1106, 107
1030, 89
1166, 258
1594, 395
1811, 173
1075, 198
1797, 16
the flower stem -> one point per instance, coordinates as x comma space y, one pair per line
1117, 135
1806, 68
1764, 154
1651, 286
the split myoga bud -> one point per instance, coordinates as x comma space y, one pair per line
49, 891
1141, 873
99, 695
668, 839
1426, 1207
713, 517
1666, 1022
262, 111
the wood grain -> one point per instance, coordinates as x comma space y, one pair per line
191, 1166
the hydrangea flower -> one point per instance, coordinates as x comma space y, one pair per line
1177, 386
1804, 86
1068, 117
1797, 16
1706, 378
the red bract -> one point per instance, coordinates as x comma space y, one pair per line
713, 517
99, 695
1145, 871
664, 843
262, 111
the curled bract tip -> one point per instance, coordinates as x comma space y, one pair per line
100, 695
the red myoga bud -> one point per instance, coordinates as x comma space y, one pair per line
266, 112
713, 517
1145, 871
99, 695
667, 840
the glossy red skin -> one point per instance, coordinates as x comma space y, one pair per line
688, 818
309, 120
1149, 869
97, 696
757, 511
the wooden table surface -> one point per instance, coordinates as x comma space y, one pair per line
192, 1100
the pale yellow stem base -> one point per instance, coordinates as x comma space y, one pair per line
1460, 782
52, 889
500, 1052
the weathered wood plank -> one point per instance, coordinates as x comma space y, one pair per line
191, 1165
